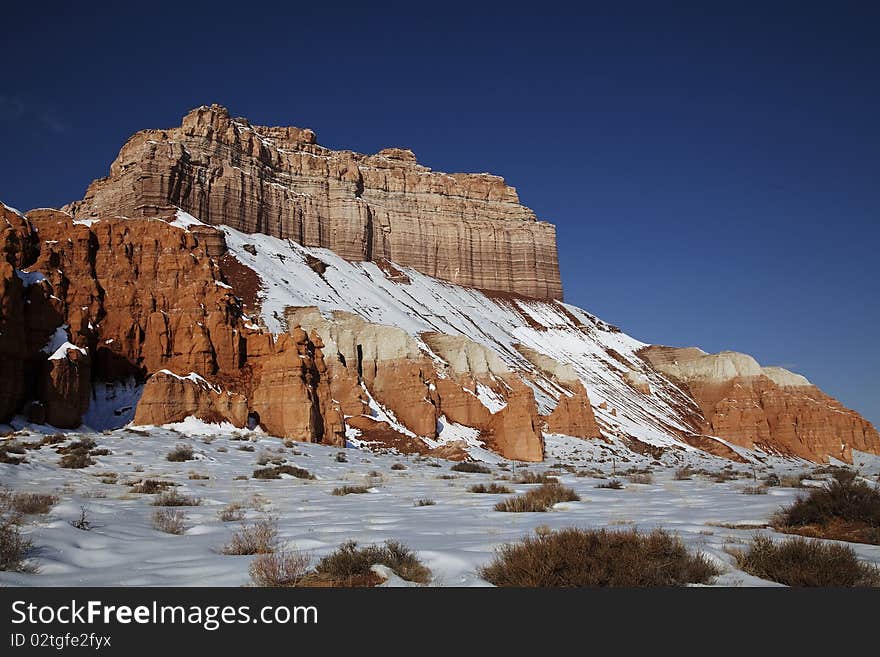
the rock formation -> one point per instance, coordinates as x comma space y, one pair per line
469, 229
766, 407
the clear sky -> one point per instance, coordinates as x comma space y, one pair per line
712, 168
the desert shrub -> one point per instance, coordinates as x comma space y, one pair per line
259, 537
801, 562
150, 486
341, 457
82, 522
173, 498
683, 474
279, 569
724, 476
275, 472
170, 521
754, 490
100, 452
493, 488
470, 466
398, 466
538, 500
349, 565
425, 501
348, 490
231, 512
246, 448
14, 547
772, 480
195, 476
76, 460
614, 484
597, 557
12, 452
83, 444
846, 508
528, 477
180, 454
31, 503
641, 478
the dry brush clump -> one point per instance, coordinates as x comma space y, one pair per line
470, 466
278, 470
258, 537
281, 568
613, 484
350, 490
598, 557
180, 454
150, 486
173, 498
846, 509
350, 565
170, 521
493, 488
538, 500
231, 512
14, 547
528, 477
641, 478
801, 562
28, 503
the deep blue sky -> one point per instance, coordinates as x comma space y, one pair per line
713, 173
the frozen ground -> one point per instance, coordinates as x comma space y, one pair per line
453, 537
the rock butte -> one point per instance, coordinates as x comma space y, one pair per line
242, 315
469, 229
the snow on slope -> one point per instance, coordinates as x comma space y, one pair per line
599, 354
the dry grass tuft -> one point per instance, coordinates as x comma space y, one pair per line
493, 488
350, 565
180, 454
538, 500
349, 490
259, 537
173, 498
278, 470
283, 568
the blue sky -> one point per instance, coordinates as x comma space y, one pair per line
712, 171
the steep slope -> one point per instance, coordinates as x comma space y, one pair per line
466, 228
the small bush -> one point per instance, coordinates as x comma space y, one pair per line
276, 472
341, 457
150, 486
470, 466
538, 500
173, 498
424, 502
614, 484
170, 521
529, 477
801, 562
754, 490
683, 474
493, 488
260, 537
279, 569
195, 476
231, 512
642, 478
76, 460
82, 523
350, 565
245, 448
847, 509
180, 454
14, 547
348, 490
398, 466
32, 503
597, 557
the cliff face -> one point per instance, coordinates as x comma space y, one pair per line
469, 229
765, 407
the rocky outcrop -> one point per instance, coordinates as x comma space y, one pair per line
469, 229
66, 387
766, 407
169, 397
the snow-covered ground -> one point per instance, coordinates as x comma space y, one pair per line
453, 537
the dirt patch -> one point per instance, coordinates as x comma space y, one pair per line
245, 282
